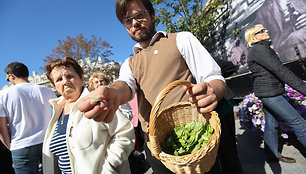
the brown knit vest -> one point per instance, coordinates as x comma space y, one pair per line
154, 68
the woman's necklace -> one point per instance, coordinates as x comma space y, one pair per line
67, 106
63, 116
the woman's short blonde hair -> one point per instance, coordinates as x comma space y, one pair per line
97, 75
249, 34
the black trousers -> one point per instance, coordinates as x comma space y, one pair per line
6, 159
227, 152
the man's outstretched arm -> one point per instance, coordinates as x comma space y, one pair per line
102, 103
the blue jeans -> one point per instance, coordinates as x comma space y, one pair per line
279, 107
27, 160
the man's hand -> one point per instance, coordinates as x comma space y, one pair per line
102, 110
102, 103
204, 96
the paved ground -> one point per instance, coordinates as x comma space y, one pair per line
252, 157
251, 153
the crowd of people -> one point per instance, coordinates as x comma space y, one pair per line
91, 129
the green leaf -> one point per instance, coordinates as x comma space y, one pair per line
185, 139
95, 100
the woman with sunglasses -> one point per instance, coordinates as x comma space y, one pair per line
270, 76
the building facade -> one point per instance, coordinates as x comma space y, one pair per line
111, 69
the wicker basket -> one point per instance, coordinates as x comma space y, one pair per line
173, 115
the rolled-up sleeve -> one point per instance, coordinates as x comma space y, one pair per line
126, 76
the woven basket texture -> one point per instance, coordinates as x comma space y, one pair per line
174, 115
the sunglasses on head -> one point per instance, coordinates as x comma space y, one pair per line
8, 76
261, 31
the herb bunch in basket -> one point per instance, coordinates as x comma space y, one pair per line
186, 139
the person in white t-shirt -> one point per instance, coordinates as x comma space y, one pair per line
24, 115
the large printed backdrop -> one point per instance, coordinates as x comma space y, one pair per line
285, 20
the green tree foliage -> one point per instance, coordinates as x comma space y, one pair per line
93, 50
197, 16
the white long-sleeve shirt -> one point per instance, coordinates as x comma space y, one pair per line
194, 53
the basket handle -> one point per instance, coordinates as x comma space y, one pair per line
153, 141
160, 98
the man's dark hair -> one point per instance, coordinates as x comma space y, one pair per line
18, 69
121, 7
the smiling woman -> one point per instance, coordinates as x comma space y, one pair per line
98, 79
270, 77
255, 34
77, 137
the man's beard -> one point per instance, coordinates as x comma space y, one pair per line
147, 35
